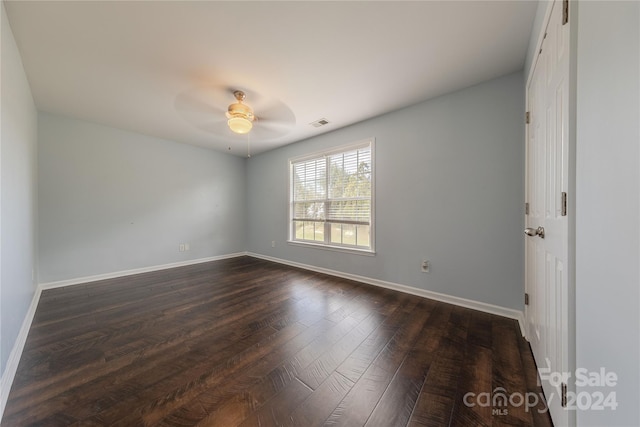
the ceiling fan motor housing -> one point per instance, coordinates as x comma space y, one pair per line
238, 109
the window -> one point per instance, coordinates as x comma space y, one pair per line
331, 198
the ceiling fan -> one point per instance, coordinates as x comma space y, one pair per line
258, 117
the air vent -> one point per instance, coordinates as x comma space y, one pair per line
320, 122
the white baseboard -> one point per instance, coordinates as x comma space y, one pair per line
95, 278
522, 323
16, 352
462, 302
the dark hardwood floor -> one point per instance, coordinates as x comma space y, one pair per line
253, 343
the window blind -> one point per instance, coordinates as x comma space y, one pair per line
331, 198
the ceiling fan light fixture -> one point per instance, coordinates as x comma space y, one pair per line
240, 125
240, 115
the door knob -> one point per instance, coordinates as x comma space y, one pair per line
534, 232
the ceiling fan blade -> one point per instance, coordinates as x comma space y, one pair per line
275, 111
269, 131
216, 127
198, 102
274, 119
200, 109
273, 125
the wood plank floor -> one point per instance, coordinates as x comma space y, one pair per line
246, 342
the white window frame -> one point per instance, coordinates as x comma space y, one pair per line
327, 244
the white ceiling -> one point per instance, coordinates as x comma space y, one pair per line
128, 64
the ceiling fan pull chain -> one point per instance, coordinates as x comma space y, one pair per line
248, 145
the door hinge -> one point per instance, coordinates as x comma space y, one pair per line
563, 204
526, 298
565, 11
527, 117
563, 392
526, 208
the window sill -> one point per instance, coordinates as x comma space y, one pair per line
355, 251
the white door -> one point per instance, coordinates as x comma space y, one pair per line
546, 187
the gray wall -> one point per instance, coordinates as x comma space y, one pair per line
112, 200
18, 194
608, 204
449, 188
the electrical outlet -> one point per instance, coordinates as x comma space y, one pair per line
181, 247
273, 243
425, 266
